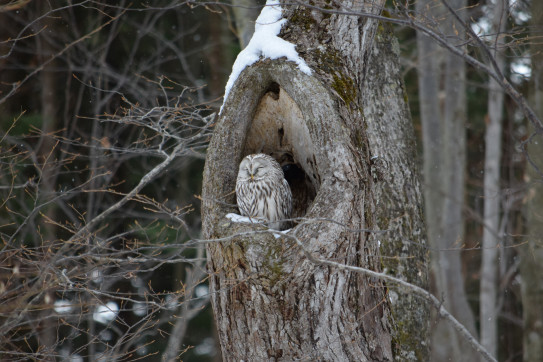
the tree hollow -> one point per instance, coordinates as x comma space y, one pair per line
270, 111
278, 130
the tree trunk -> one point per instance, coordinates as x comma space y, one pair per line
443, 114
46, 153
50, 106
219, 57
347, 127
531, 265
397, 192
491, 237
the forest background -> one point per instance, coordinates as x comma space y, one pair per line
106, 111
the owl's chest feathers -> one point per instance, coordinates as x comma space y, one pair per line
259, 200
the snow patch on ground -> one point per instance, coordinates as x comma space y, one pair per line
265, 43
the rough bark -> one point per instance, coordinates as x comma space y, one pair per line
492, 195
396, 189
443, 114
531, 265
269, 301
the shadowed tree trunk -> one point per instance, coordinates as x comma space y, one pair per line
47, 157
531, 266
346, 128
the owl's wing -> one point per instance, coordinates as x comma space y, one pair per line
286, 198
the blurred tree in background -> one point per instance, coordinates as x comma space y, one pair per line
106, 109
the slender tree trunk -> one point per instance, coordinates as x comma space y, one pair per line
531, 265
347, 127
50, 107
220, 59
443, 113
492, 204
47, 157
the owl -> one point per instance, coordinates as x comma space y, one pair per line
262, 191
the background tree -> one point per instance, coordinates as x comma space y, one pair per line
492, 194
503, 219
245, 13
532, 253
443, 112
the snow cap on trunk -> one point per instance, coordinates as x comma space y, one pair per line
265, 43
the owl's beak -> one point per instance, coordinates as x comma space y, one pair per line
252, 177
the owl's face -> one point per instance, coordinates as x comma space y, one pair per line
254, 169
